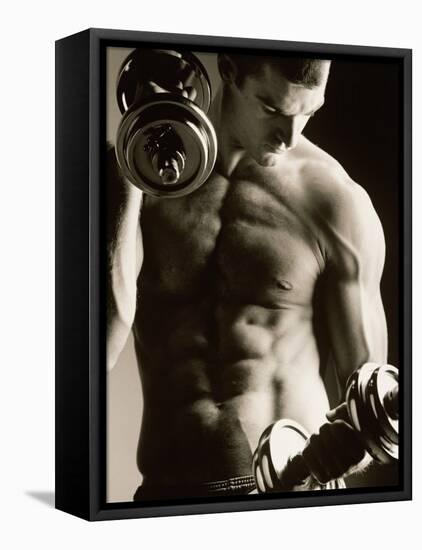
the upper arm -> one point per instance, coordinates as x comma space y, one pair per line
355, 252
124, 257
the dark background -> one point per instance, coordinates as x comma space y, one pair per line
360, 126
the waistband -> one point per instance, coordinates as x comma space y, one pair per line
241, 485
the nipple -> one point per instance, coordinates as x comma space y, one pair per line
282, 284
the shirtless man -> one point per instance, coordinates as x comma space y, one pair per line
224, 288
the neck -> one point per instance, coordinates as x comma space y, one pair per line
230, 153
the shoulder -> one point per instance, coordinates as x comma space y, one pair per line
341, 209
321, 173
331, 191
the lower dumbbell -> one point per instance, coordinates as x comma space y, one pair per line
372, 405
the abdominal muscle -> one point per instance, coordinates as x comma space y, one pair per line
211, 388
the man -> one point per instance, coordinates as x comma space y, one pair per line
227, 289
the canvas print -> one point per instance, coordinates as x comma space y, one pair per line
252, 228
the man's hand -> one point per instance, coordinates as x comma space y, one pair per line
335, 451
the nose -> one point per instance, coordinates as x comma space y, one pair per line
289, 131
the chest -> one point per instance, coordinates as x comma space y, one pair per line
244, 238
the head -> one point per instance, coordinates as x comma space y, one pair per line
269, 100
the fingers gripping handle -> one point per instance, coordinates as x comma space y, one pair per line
295, 472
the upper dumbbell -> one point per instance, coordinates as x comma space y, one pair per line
165, 143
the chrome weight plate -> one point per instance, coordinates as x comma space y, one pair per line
165, 68
194, 130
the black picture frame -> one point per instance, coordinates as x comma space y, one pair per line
80, 310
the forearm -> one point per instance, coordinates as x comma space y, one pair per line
378, 348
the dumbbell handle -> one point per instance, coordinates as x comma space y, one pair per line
296, 471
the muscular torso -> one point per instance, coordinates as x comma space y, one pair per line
224, 328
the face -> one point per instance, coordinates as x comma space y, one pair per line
267, 113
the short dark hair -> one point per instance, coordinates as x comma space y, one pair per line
305, 71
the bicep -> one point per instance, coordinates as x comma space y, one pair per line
123, 205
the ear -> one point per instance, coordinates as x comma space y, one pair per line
227, 68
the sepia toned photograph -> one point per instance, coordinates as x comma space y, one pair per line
253, 285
